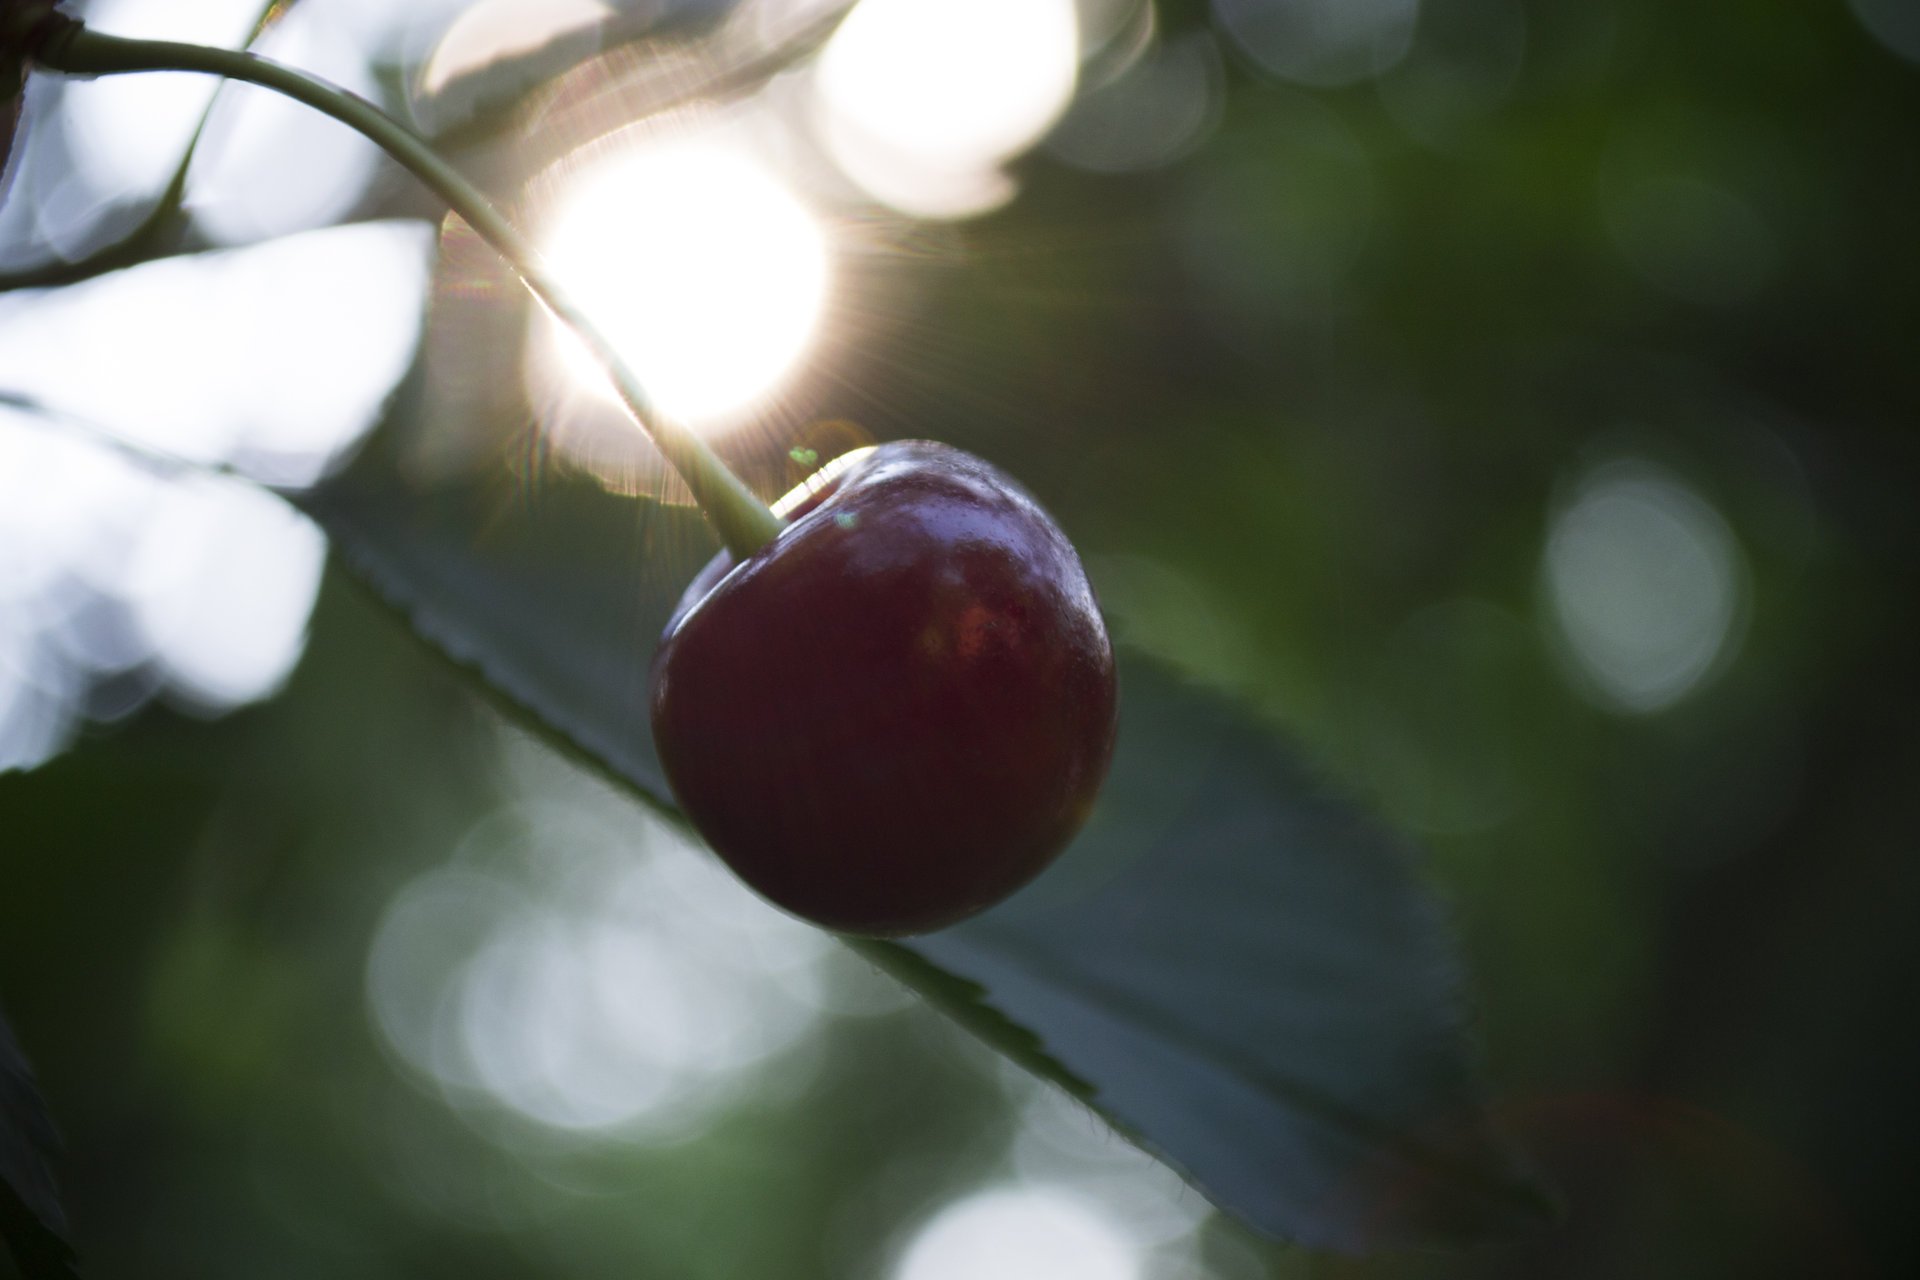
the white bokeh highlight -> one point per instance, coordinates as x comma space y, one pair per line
130, 132
921, 102
1022, 1232
126, 567
580, 966
221, 582
277, 356
706, 273
389, 32
267, 166
1645, 586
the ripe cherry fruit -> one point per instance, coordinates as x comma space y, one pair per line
897, 712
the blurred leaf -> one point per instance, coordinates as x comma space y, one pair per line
536, 593
1229, 965
214, 356
13, 92
1251, 976
9, 126
31, 1223
517, 50
160, 230
474, 93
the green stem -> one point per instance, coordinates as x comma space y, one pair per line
743, 522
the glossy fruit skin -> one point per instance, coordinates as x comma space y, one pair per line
899, 711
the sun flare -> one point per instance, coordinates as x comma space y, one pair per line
705, 272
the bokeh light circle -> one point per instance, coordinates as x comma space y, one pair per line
1645, 583
1021, 1233
921, 101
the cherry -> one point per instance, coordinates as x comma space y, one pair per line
898, 711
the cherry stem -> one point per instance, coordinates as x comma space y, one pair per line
743, 522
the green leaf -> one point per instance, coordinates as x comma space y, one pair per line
1249, 974
1236, 969
515, 587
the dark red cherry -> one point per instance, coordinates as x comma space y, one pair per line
897, 712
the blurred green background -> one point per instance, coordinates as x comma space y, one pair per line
1515, 401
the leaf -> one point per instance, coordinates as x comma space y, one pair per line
13, 93
31, 1224
1236, 969
1254, 981
152, 226
507, 62
497, 55
212, 351
517, 589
